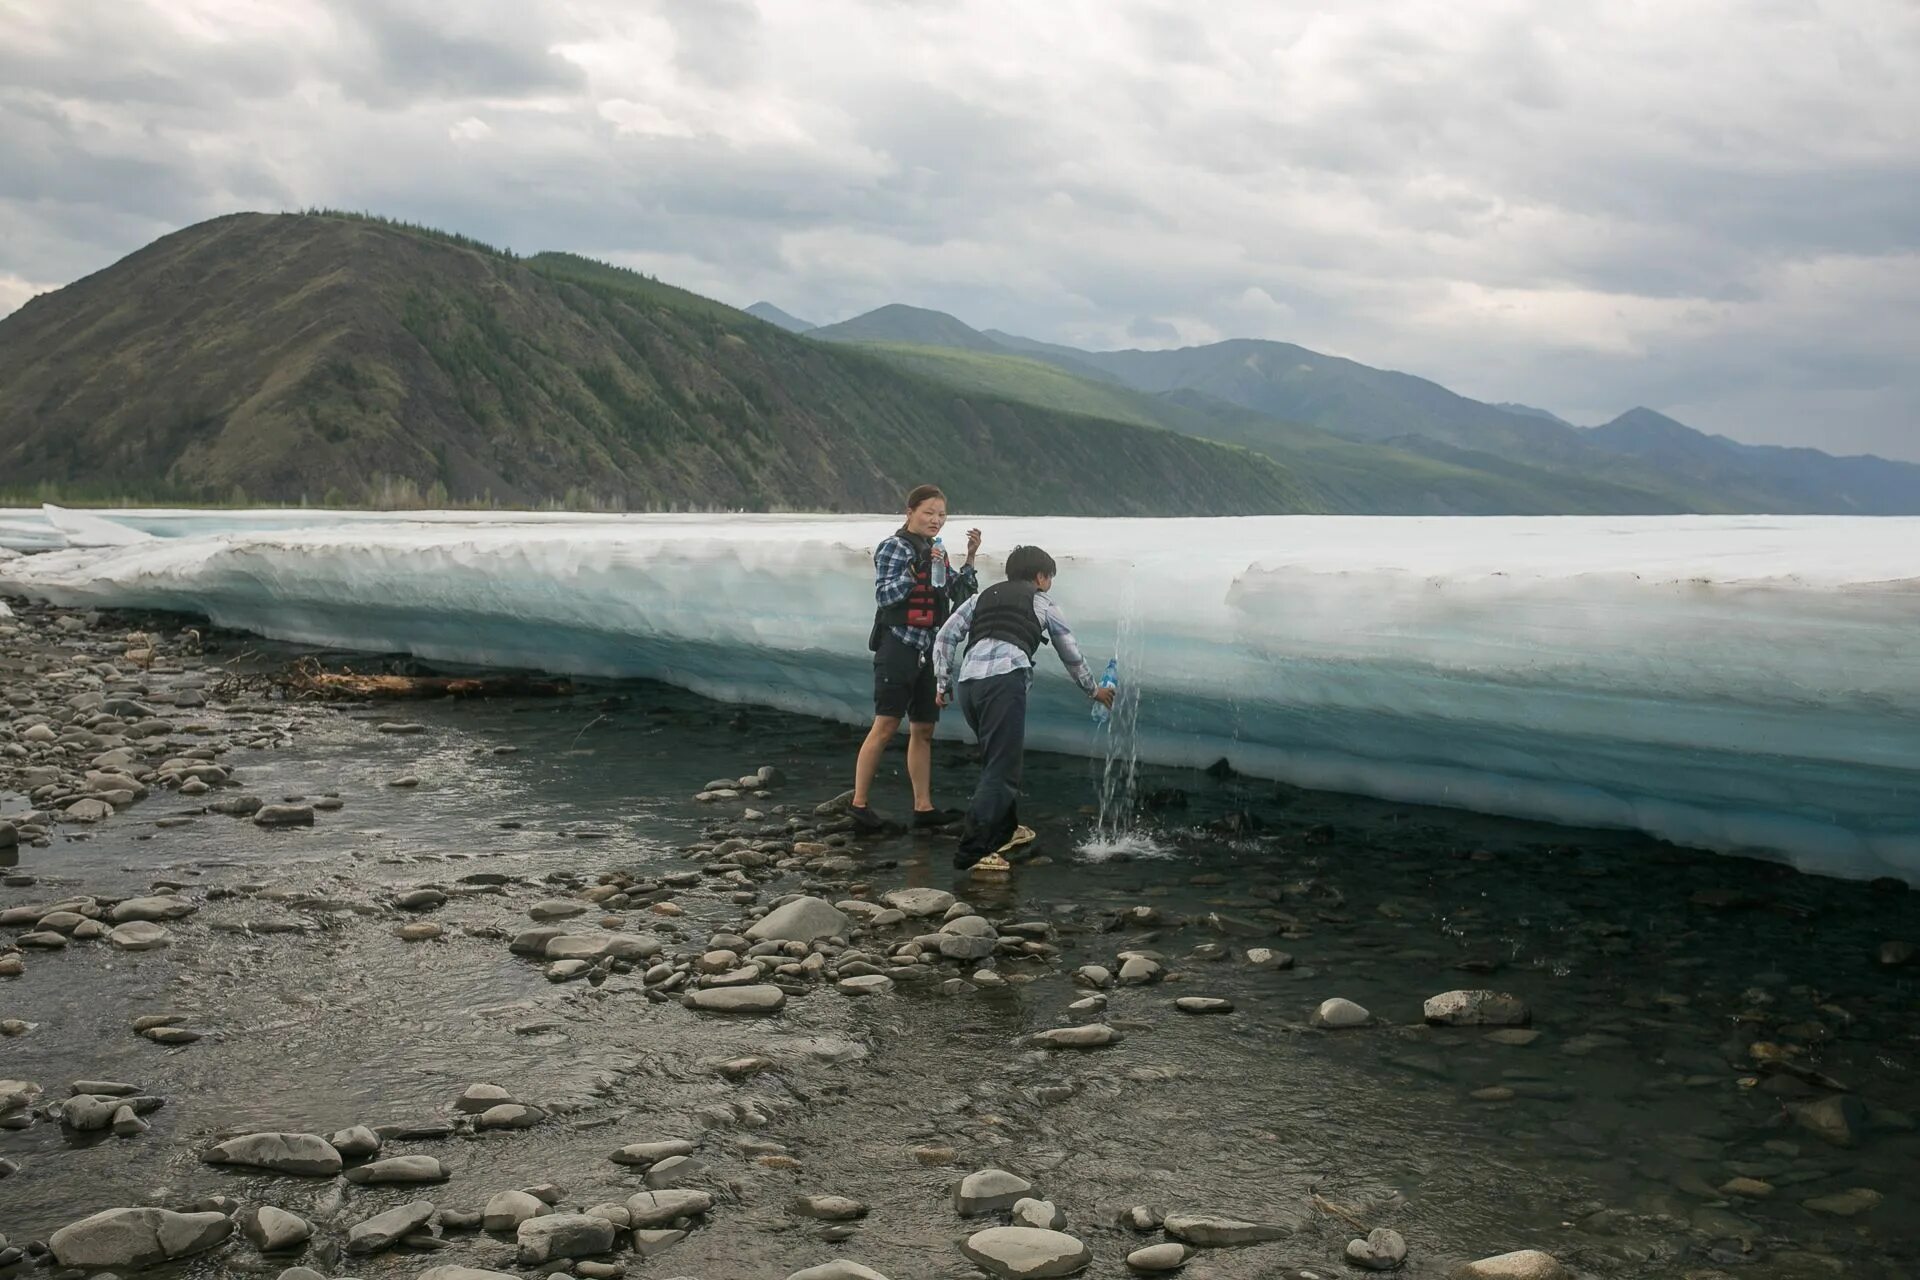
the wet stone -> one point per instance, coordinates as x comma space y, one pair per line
1093, 1036
1213, 1231
384, 1230
838, 1269
1524, 1264
829, 1208
1026, 1253
304, 1154
1154, 1258
399, 1169
988, 1191
1382, 1250
1477, 1009
1339, 1013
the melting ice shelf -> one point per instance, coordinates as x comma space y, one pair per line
1744, 684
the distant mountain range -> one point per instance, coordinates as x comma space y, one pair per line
1527, 459
352, 360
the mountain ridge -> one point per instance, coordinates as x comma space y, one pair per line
1676, 466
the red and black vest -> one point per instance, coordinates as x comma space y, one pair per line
925, 607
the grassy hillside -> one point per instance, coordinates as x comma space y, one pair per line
350, 360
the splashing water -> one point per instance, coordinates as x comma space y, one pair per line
1114, 834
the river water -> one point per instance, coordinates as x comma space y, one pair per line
1652, 973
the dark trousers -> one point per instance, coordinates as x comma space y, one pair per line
996, 711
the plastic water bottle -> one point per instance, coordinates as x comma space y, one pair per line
937, 571
1109, 679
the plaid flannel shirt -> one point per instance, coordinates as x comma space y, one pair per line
893, 582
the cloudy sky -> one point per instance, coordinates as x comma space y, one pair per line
1711, 207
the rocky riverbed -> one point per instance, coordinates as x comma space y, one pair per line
603, 984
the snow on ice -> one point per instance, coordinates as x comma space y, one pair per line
1740, 683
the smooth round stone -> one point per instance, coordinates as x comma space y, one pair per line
567, 970
400, 1169
1524, 1264
1026, 1253
838, 1269
139, 935
989, 1191
556, 909
305, 1154
829, 1208
1170, 1256
419, 931
1092, 1036
1203, 1004
1043, 1214
1382, 1250
1338, 1013
647, 1154
761, 998
867, 984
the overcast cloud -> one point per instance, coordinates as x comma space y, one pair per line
1706, 206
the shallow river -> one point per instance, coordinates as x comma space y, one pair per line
1651, 972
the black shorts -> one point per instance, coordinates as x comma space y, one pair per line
903, 681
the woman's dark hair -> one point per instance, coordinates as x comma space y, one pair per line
1024, 564
924, 493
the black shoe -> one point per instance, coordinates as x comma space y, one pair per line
865, 821
926, 819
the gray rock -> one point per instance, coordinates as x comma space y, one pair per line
673, 1171
272, 1230
1840, 1119
161, 907
651, 1242
1170, 1256
460, 1273
300, 1273
134, 1238
1212, 1231
1026, 1253
284, 815
384, 1230
305, 1154
838, 1269
1203, 1004
919, 903
1338, 1013
829, 1208
965, 946
1137, 971
399, 1169
1477, 1009
509, 1115
1093, 1035
563, 1235
1382, 1250
802, 920
1526, 1264
646, 1154
356, 1142
506, 1210
989, 1191
1043, 1214
658, 1208
867, 984
758, 998
1892, 954
138, 935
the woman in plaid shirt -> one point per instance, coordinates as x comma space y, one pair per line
910, 607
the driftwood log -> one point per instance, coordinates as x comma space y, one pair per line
307, 678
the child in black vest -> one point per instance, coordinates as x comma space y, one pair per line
997, 633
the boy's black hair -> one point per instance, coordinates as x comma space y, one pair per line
1024, 564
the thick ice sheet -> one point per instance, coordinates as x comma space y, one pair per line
1739, 683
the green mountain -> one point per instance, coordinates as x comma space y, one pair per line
915, 325
346, 359
774, 315
1521, 456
